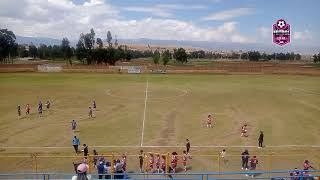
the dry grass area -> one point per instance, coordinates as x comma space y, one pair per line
285, 107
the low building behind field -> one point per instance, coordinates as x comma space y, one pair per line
161, 48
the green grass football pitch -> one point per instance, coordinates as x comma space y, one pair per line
157, 111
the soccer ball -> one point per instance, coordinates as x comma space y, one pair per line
281, 24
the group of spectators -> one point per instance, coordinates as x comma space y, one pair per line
104, 167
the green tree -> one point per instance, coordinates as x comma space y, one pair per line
85, 46
128, 54
66, 50
81, 51
156, 57
7, 44
56, 52
166, 56
118, 55
22, 51
33, 51
298, 57
316, 58
254, 55
244, 55
109, 38
180, 55
99, 43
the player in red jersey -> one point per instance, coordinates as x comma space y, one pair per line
163, 164
306, 167
184, 160
174, 161
124, 162
157, 162
90, 112
28, 109
151, 162
244, 131
253, 163
209, 121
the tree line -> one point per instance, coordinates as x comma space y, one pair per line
91, 50
179, 55
88, 50
316, 58
250, 55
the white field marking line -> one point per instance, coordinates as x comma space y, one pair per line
301, 90
184, 92
144, 112
181, 146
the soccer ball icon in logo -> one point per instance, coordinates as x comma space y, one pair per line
281, 23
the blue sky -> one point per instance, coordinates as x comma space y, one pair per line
303, 15
238, 21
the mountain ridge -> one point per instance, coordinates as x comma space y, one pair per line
207, 45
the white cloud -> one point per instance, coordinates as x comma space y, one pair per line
239, 39
163, 10
63, 4
264, 32
63, 18
302, 35
180, 6
228, 14
152, 10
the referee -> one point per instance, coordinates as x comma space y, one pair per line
188, 145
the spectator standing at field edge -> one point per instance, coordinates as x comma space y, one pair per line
76, 143
85, 150
141, 158
101, 169
261, 140
188, 146
245, 159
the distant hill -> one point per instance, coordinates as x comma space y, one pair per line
37, 40
226, 46
223, 46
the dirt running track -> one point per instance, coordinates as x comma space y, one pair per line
214, 68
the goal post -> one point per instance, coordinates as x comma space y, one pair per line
49, 68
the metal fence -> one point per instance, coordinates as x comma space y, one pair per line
271, 175
34, 163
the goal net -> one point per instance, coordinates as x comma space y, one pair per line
49, 68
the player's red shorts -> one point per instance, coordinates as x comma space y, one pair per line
174, 165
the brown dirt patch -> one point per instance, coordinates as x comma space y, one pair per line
168, 130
